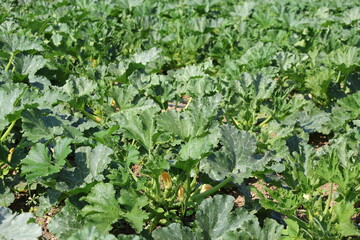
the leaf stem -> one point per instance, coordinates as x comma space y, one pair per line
327, 206
188, 103
338, 77
211, 191
236, 122
264, 122
91, 116
10, 61
154, 223
8, 131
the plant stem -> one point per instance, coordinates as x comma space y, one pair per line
10, 61
338, 77
91, 116
157, 187
328, 200
264, 122
132, 174
236, 122
193, 182
8, 131
154, 223
211, 191
188, 103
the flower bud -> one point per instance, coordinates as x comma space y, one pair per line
306, 196
165, 177
205, 187
10, 154
181, 193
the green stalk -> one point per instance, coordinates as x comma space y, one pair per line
188, 103
211, 191
327, 206
157, 187
264, 122
10, 61
91, 116
338, 77
154, 223
236, 122
8, 131
193, 182
187, 192
132, 174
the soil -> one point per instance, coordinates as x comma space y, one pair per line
46, 235
318, 140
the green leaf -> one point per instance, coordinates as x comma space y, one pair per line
256, 87
133, 202
146, 56
102, 211
270, 230
197, 148
38, 125
124, 96
96, 159
345, 110
310, 119
201, 86
38, 163
215, 219
162, 92
346, 58
176, 123
79, 86
344, 211
62, 149
287, 60
131, 237
90, 164
287, 201
319, 83
56, 38
140, 126
192, 123
13, 43
90, 233
175, 231
192, 72
235, 159
10, 95
6, 196
244, 10
128, 4
66, 222
351, 15
214, 216
258, 55
292, 228
13, 226
29, 65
